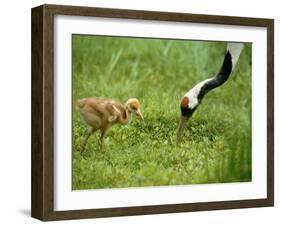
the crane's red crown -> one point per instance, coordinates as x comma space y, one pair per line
184, 102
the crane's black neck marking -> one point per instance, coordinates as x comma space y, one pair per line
220, 78
186, 111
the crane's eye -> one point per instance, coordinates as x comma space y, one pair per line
134, 108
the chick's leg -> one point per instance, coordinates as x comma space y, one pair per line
103, 133
84, 143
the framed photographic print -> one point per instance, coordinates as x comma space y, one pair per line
141, 112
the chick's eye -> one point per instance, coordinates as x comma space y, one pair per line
134, 108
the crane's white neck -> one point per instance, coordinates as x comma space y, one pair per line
234, 49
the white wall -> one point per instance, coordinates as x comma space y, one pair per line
15, 112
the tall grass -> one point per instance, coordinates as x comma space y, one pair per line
216, 146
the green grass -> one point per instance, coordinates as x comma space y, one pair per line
216, 146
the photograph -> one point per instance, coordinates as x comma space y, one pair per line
159, 112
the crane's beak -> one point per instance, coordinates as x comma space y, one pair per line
139, 114
181, 126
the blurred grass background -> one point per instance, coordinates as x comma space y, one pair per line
216, 147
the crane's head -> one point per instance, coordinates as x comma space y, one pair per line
134, 106
186, 112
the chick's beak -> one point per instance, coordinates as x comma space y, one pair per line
139, 114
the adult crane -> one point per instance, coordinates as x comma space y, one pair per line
193, 98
